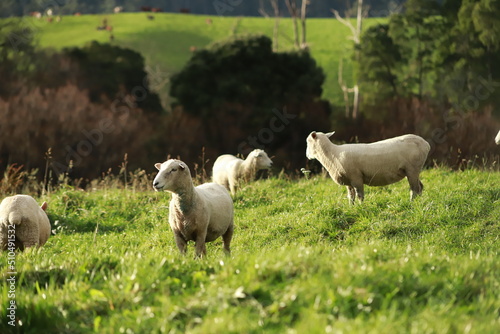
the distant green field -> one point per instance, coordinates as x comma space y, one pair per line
303, 261
166, 41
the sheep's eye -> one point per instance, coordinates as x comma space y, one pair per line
173, 170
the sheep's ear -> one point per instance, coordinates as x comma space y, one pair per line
329, 134
158, 165
44, 206
182, 165
313, 134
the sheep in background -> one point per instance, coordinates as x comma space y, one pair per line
229, 170
201, 213
497, 138
21, 216
375, 164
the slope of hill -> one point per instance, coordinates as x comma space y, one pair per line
167, 40
303, 261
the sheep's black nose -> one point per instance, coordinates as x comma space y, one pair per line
155, 184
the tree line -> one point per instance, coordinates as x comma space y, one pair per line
433, 68
316, 8
79, 111
430, 70
82, 110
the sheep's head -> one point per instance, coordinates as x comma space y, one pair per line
261, 159
312, 143
169, 173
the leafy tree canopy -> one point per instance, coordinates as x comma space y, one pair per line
446, 51
109, 70
246, 71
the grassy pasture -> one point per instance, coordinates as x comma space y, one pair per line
166, 41
303, 261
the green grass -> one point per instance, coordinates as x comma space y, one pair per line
165, 42
303, 261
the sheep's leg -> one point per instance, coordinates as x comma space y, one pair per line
416, 186
226, 238
351, 194
360, 192
227, 186
181, 243
201, 249
233, 187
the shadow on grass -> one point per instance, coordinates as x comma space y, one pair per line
51, 317
63, 224
336, 224
40, 279
394, 232
33, 318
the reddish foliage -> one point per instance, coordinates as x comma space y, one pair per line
93, 137
456, 138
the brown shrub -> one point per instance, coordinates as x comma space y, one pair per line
85, 138
456, 138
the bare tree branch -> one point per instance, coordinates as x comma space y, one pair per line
262, 10
276, 8
303, 13
356, 37
292, 9
345, 22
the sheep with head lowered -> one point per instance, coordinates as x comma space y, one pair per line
375, 164
201, 213
497, 138
23, 223
230, 171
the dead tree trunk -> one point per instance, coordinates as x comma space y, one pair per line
356, 37
303, 12
276, 31
347, 90
292, 9
262, 10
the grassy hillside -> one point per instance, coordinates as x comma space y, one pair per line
166, 41
302, 260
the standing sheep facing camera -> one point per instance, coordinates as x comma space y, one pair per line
229, 170
24, 221
201, 213
376, 164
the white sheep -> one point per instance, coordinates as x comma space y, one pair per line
201, 213
375, 164
24, 221
230, 171
497, 138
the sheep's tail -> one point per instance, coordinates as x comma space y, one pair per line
14, 218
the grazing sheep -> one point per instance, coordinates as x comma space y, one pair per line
201, 213
376, 164
497, 138
229, 170
21, 213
